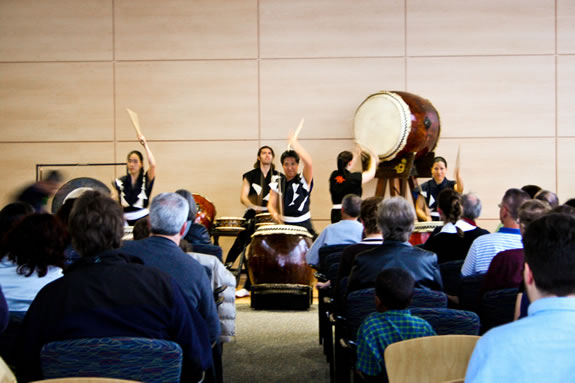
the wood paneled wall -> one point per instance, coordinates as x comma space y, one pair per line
212, 80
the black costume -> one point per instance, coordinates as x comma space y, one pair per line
430, 190
134, 198
295, 195
340, 185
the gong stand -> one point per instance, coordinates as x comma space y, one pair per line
401, 174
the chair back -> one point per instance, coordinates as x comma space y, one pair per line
429, 359
85, 380
451, 276
141, 359
497, 308
359, 305
324, 252
470, 292
428, 298
449, 322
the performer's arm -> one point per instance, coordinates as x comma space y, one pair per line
369, 174
244, 194
421, 209
273, 207
150, 156
305, 157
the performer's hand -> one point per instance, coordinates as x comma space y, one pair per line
142, 139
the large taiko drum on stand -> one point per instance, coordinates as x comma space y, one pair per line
422, 231
394, 123
280, 275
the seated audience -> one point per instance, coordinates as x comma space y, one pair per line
346, 231
484, 248
196, 233
549, 197
540, 347
108, 294
35, 258
4, 314
506, 268
168, 215
10, 215
471, 208
396, 219
452, 241
391, 323
531, 190
372, 237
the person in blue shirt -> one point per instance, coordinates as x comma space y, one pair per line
540, 347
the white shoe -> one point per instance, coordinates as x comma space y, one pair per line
242, 293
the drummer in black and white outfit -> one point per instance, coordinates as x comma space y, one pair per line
134, 189
290, 198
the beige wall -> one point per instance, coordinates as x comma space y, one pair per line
212, 80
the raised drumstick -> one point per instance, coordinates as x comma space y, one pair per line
296, 134
135, 121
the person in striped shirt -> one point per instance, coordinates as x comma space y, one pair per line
508, 237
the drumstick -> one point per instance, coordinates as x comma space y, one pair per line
458, 158
135, 121
296, 134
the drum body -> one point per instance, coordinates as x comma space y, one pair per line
206, 211
277, 255
394, 123
422, 231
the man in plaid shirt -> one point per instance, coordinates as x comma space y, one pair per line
391, 323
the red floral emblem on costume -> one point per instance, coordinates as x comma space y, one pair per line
339, 179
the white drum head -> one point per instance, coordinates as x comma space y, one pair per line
382, 123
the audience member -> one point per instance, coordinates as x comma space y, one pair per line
196, 233
141, 229
540, 347
35, 258
471, 208
508, 237
452, 241
506, 269
168, 215
549, 197
396, 219
38, 193
346, 231
531, 190
10, 215
108, 294
372, 237
4, 313
570, 202
391, 323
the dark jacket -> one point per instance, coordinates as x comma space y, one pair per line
422, 265
105, 296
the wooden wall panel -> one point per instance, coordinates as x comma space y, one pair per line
19, 163
491, 166
188, 100
325, 92
565, 95
331, 28
566, 170
55, 30
488, 96
565, 26
181, 29
490, 27
212, 169
56, 101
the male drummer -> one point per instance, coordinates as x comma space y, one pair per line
254, 195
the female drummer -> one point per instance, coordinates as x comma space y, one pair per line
134, 189
343, 182
289, 198
426, 204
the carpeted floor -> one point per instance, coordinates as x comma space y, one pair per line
275, 346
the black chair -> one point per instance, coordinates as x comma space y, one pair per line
470, 292
451, 276
448, 321
497, 308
